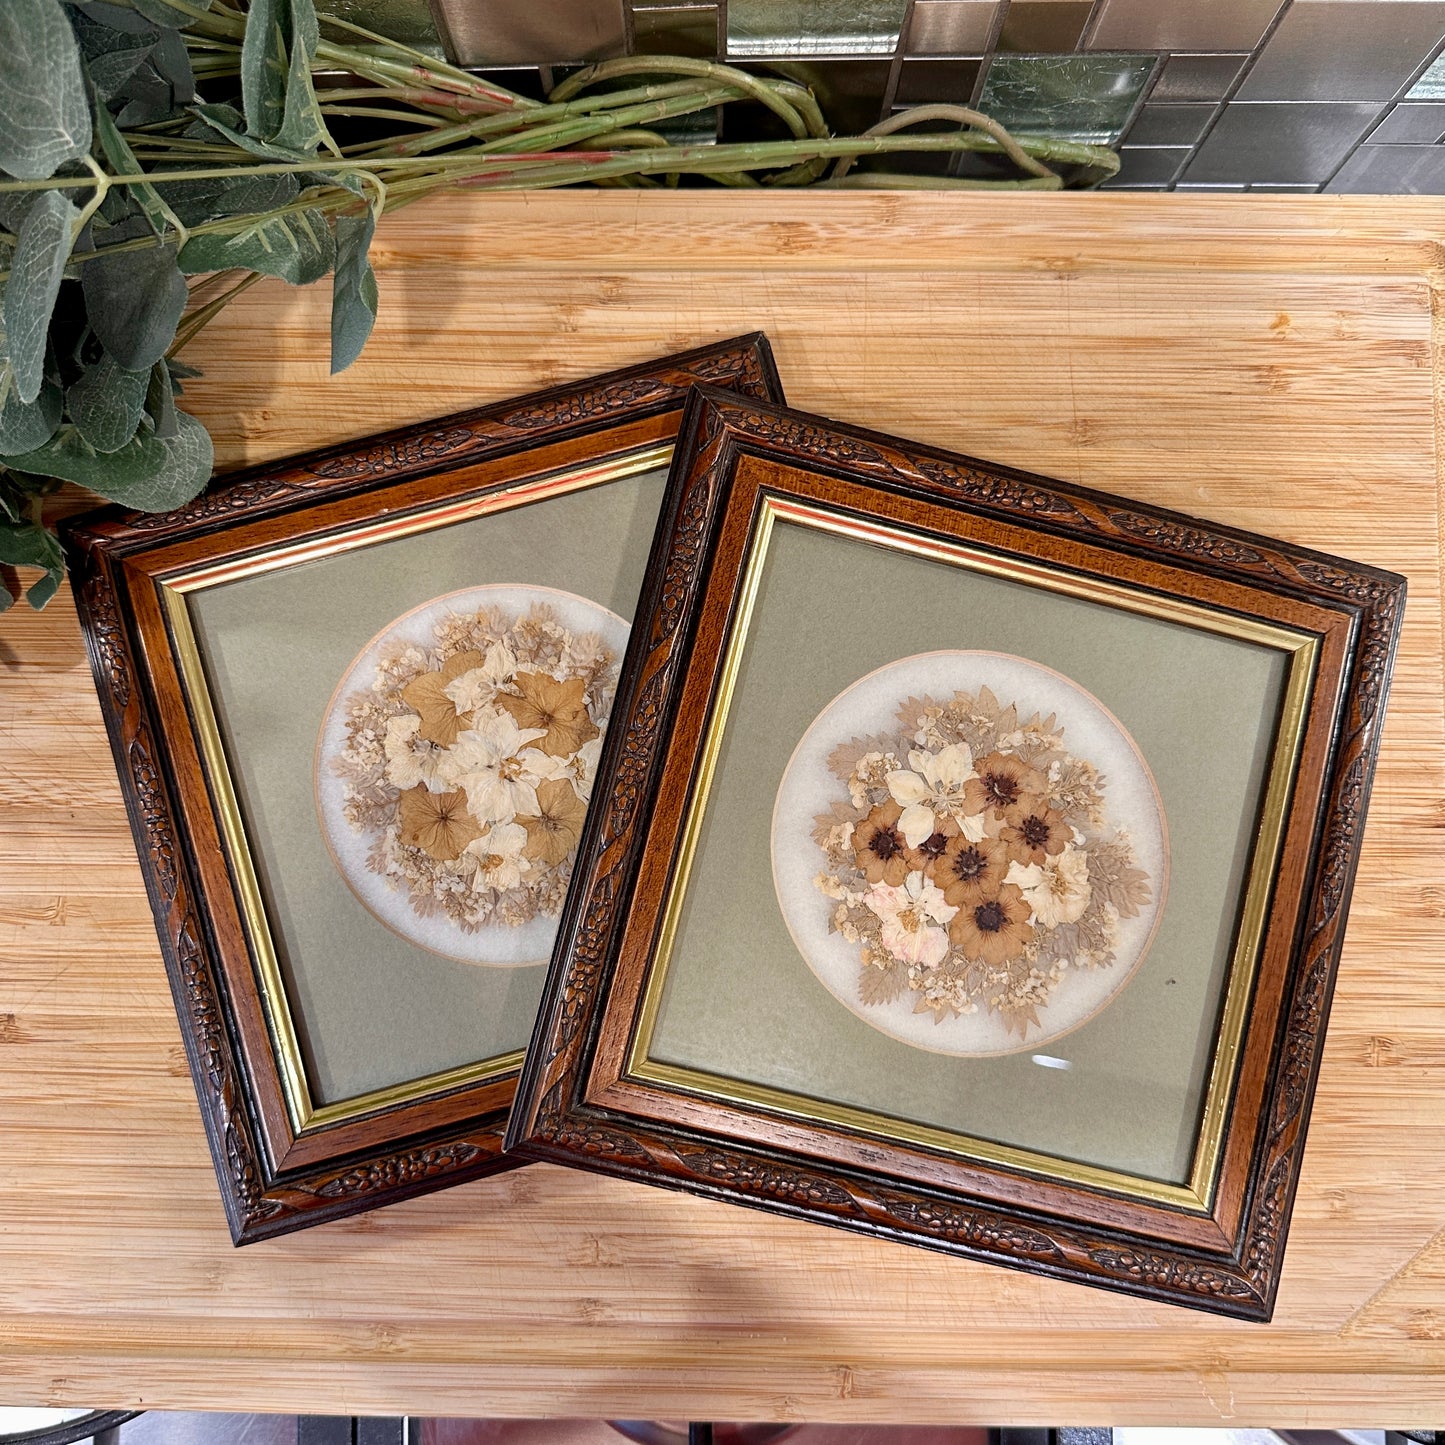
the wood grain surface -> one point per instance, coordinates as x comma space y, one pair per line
1261, 361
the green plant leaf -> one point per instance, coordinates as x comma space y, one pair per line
199, 201
160, 402
28, 544
298, 247
44, 119
150, 473
353, 293
27, 425
147, 97
113, 17
42, 248
216, 117
134, 300
162, 14
265, 64
105, 403
122, 160
110, 54
173, 62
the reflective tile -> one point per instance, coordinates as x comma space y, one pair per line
409, 21
541, 32
1288, 144
1147, 167
1197, 77
681, 31
937, 82
1169, 125
1410, 124
814, 27
1431, 85
850, 93
951, 27
1345, 50
1181, 24
1083, 97
1031, 26
1392, 171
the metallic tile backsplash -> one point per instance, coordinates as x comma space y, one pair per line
1297, 95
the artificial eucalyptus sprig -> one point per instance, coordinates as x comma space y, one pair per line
148, 145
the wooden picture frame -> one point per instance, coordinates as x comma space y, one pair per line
314, 1027
683, 1042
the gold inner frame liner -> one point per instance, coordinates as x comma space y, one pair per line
303, 1112
1197, 1195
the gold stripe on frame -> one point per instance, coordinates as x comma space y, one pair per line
1197, 1195
301, 1108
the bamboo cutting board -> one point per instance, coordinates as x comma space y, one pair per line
1261, 361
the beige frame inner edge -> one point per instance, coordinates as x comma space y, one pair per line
1197, 1195
305, 1115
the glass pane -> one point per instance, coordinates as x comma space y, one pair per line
375, 976
814, 27
766, 984
1081, 97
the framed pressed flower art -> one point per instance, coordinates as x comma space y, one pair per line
970, 864
356, 700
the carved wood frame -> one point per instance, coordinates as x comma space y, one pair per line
273, 1178
578, 1104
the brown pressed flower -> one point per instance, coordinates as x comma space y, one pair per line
1002, 780
1036, 832
437, 823
970, 872
440, 720
558, 707
553, 834
879, 847
930, 850
995, 929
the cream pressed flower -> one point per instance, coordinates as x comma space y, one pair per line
409, 761
910, 916
489, 762
500, 863
1058, 891
476, 688
932, 787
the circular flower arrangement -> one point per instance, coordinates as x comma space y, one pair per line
460, 751
969, 855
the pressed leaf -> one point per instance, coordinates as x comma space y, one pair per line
44, 118
105, 404
149, 472
42, 248
353, 294
27, 425
298, 247
134, 301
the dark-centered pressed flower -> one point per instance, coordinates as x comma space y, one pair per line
969, 872
879, 847
1036, 832
995, 929
922, 858
1002, 780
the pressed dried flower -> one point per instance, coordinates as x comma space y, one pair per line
437, 823
427, 695
556, 707
555, 830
